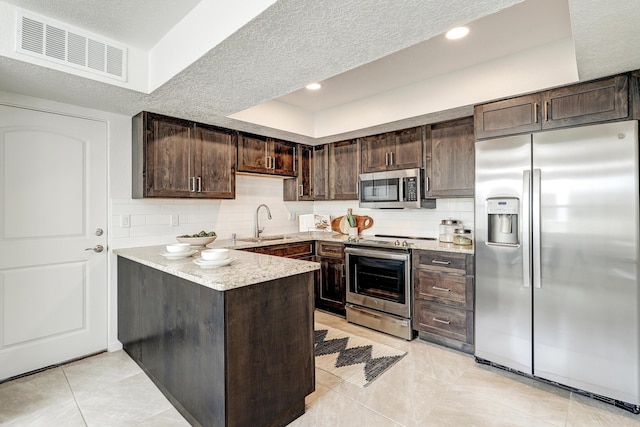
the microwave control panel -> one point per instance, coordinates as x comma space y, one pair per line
411, 189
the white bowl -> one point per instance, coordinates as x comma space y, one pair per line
196, 241
178, 247
215, 254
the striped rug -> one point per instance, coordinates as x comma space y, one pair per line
354, 359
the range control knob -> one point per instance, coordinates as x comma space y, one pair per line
397, 243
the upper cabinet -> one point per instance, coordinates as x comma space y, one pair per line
301, 188
392, 150
321, 172
584, 103
258, 154
344, 169
178, 158
449, 159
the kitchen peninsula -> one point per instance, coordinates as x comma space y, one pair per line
228, 346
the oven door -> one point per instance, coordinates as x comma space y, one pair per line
379, 279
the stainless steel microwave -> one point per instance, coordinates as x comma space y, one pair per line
393, 190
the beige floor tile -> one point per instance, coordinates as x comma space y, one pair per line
584, 411
333, 409
101, 370
27, 395
62, 414
526, 395
169, 418
127, 402
399, 393
327, 378
436, 361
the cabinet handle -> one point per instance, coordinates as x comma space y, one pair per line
446, 322
535, 112
391, 158
268, 162
273, 162
386, 159
546, 111
301, 190
192, 184
438, 288
426, 180
199, 180
435, 261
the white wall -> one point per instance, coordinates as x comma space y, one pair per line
150, 219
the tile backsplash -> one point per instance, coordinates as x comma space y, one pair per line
159, 221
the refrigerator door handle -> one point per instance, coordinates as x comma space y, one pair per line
537, 282
525, 228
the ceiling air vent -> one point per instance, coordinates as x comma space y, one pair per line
63, 44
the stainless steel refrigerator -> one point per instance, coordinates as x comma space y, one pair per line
557, 292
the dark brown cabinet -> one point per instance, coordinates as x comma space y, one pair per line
321, 172
302, 187
177, 158
298, 250
258, 154
443, 294
344, 168
331, 283
392, 150
449, 159
579, 104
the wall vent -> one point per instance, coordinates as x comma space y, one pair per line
63, 44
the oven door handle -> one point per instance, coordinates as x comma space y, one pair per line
404, 256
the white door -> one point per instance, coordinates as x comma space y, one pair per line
53, 292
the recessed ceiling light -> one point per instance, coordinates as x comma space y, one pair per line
313, 86
457, 33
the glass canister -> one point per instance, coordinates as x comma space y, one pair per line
447, 226
462, 236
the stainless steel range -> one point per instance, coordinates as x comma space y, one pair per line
379, 283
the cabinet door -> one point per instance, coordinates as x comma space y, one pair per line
344, 169
300, 188
511, 116
376, 151
407, 153
252, 154
331, 287
591, 102
215, 163
282, 158
450, 159
167, 165
320, 172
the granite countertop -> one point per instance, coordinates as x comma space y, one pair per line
428, 245
249, 268
246, 269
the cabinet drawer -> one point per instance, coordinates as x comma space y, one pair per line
451, 289
443, 261
335, 250
291, 250
441, 320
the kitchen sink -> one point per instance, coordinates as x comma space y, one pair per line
264, 238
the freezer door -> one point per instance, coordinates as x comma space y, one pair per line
503, 291
586, 285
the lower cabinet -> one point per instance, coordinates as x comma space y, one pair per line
331, 283
443, 295
298, 250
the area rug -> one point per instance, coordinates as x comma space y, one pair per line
354, 359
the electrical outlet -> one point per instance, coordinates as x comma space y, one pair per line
173, 220
125, 221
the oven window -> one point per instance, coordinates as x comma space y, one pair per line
380, 190
378, 278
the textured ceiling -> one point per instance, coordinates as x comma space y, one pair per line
297, 41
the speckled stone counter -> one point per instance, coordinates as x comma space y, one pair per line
427, 245
247, 268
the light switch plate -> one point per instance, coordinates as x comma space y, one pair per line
125, 221
174, 221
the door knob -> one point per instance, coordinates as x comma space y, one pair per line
97, 248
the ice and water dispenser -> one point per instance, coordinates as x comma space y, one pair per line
503, 220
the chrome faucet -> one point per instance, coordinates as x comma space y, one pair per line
258, 229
